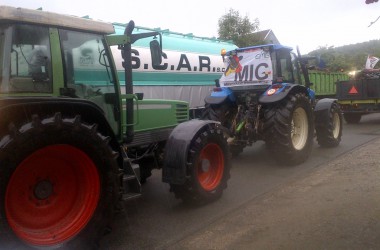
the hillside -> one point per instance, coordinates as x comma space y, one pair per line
348, 57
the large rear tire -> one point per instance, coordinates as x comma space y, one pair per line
329, 133
58, 184
208, 168
224, 113
289, 129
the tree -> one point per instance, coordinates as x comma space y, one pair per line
238, 29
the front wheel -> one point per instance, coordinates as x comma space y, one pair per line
58, 184
289, 128
329, 132
208, 168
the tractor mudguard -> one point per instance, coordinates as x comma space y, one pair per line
89, 112
177, 147
322, 109
217, 97
277, 92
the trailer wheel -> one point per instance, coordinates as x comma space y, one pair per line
352, 118
58, 184
329, 133
208, 168
289, 129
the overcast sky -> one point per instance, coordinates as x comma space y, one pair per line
306, 23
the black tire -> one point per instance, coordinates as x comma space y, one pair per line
224, 114
352, 118
329, 133
287, 146
59, 170
208, 168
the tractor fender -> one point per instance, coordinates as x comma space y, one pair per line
177, 149
218, 97
14, 110
322, 109
278, 92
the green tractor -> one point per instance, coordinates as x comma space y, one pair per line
72, 146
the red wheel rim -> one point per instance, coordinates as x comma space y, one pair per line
210, 166
52, 195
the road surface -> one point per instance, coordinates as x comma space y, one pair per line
159, 221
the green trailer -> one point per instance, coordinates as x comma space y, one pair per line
324, 83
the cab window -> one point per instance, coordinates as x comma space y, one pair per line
284, 66
30, 67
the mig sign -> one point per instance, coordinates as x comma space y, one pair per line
248, 67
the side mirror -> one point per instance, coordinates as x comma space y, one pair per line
156, 52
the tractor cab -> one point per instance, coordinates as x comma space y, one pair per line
258, 65
258, 71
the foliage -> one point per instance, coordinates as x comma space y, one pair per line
346, 58
239, 29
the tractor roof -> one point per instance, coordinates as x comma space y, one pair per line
271, 46
21, 15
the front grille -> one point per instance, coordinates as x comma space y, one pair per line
182, 112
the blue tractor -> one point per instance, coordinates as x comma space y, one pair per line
264, 94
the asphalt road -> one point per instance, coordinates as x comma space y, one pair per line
158, 221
